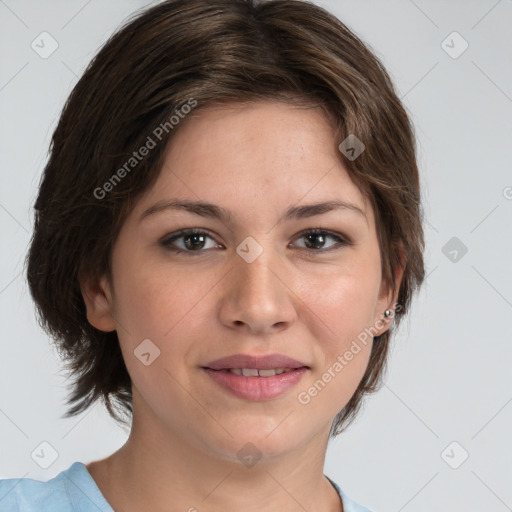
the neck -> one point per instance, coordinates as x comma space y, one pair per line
159, 471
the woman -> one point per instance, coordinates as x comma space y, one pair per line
227, 227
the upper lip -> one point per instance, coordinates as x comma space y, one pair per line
259, 362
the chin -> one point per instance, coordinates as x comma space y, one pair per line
254, 440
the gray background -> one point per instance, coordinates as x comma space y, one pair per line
449, 372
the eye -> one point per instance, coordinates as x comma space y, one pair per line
315, 240
195, 241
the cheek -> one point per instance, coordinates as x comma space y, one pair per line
342, 299
167, 306
340, 305
151, 299
157, 303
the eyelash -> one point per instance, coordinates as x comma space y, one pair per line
168, 241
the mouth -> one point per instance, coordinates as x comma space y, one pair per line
256, 378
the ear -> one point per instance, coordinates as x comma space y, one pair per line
99, 304
388, 299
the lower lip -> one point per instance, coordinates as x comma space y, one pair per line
256, 388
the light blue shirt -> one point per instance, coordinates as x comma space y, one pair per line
74, 490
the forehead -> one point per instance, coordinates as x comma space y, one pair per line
257, 158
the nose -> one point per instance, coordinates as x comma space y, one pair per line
258, 297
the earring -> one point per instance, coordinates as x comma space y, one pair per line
387, 313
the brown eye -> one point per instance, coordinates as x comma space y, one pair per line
316, 240
191, 240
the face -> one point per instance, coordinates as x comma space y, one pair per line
251, 281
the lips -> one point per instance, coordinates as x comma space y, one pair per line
256, 378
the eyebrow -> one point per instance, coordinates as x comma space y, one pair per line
213, 211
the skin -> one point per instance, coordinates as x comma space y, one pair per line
255, 161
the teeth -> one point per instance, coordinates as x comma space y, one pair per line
267, 373
249, 372
254, 372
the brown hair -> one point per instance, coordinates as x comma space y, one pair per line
208, 52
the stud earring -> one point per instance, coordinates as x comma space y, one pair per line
387, 313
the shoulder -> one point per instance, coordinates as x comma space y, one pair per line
348, 504
27, 495
70, 491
